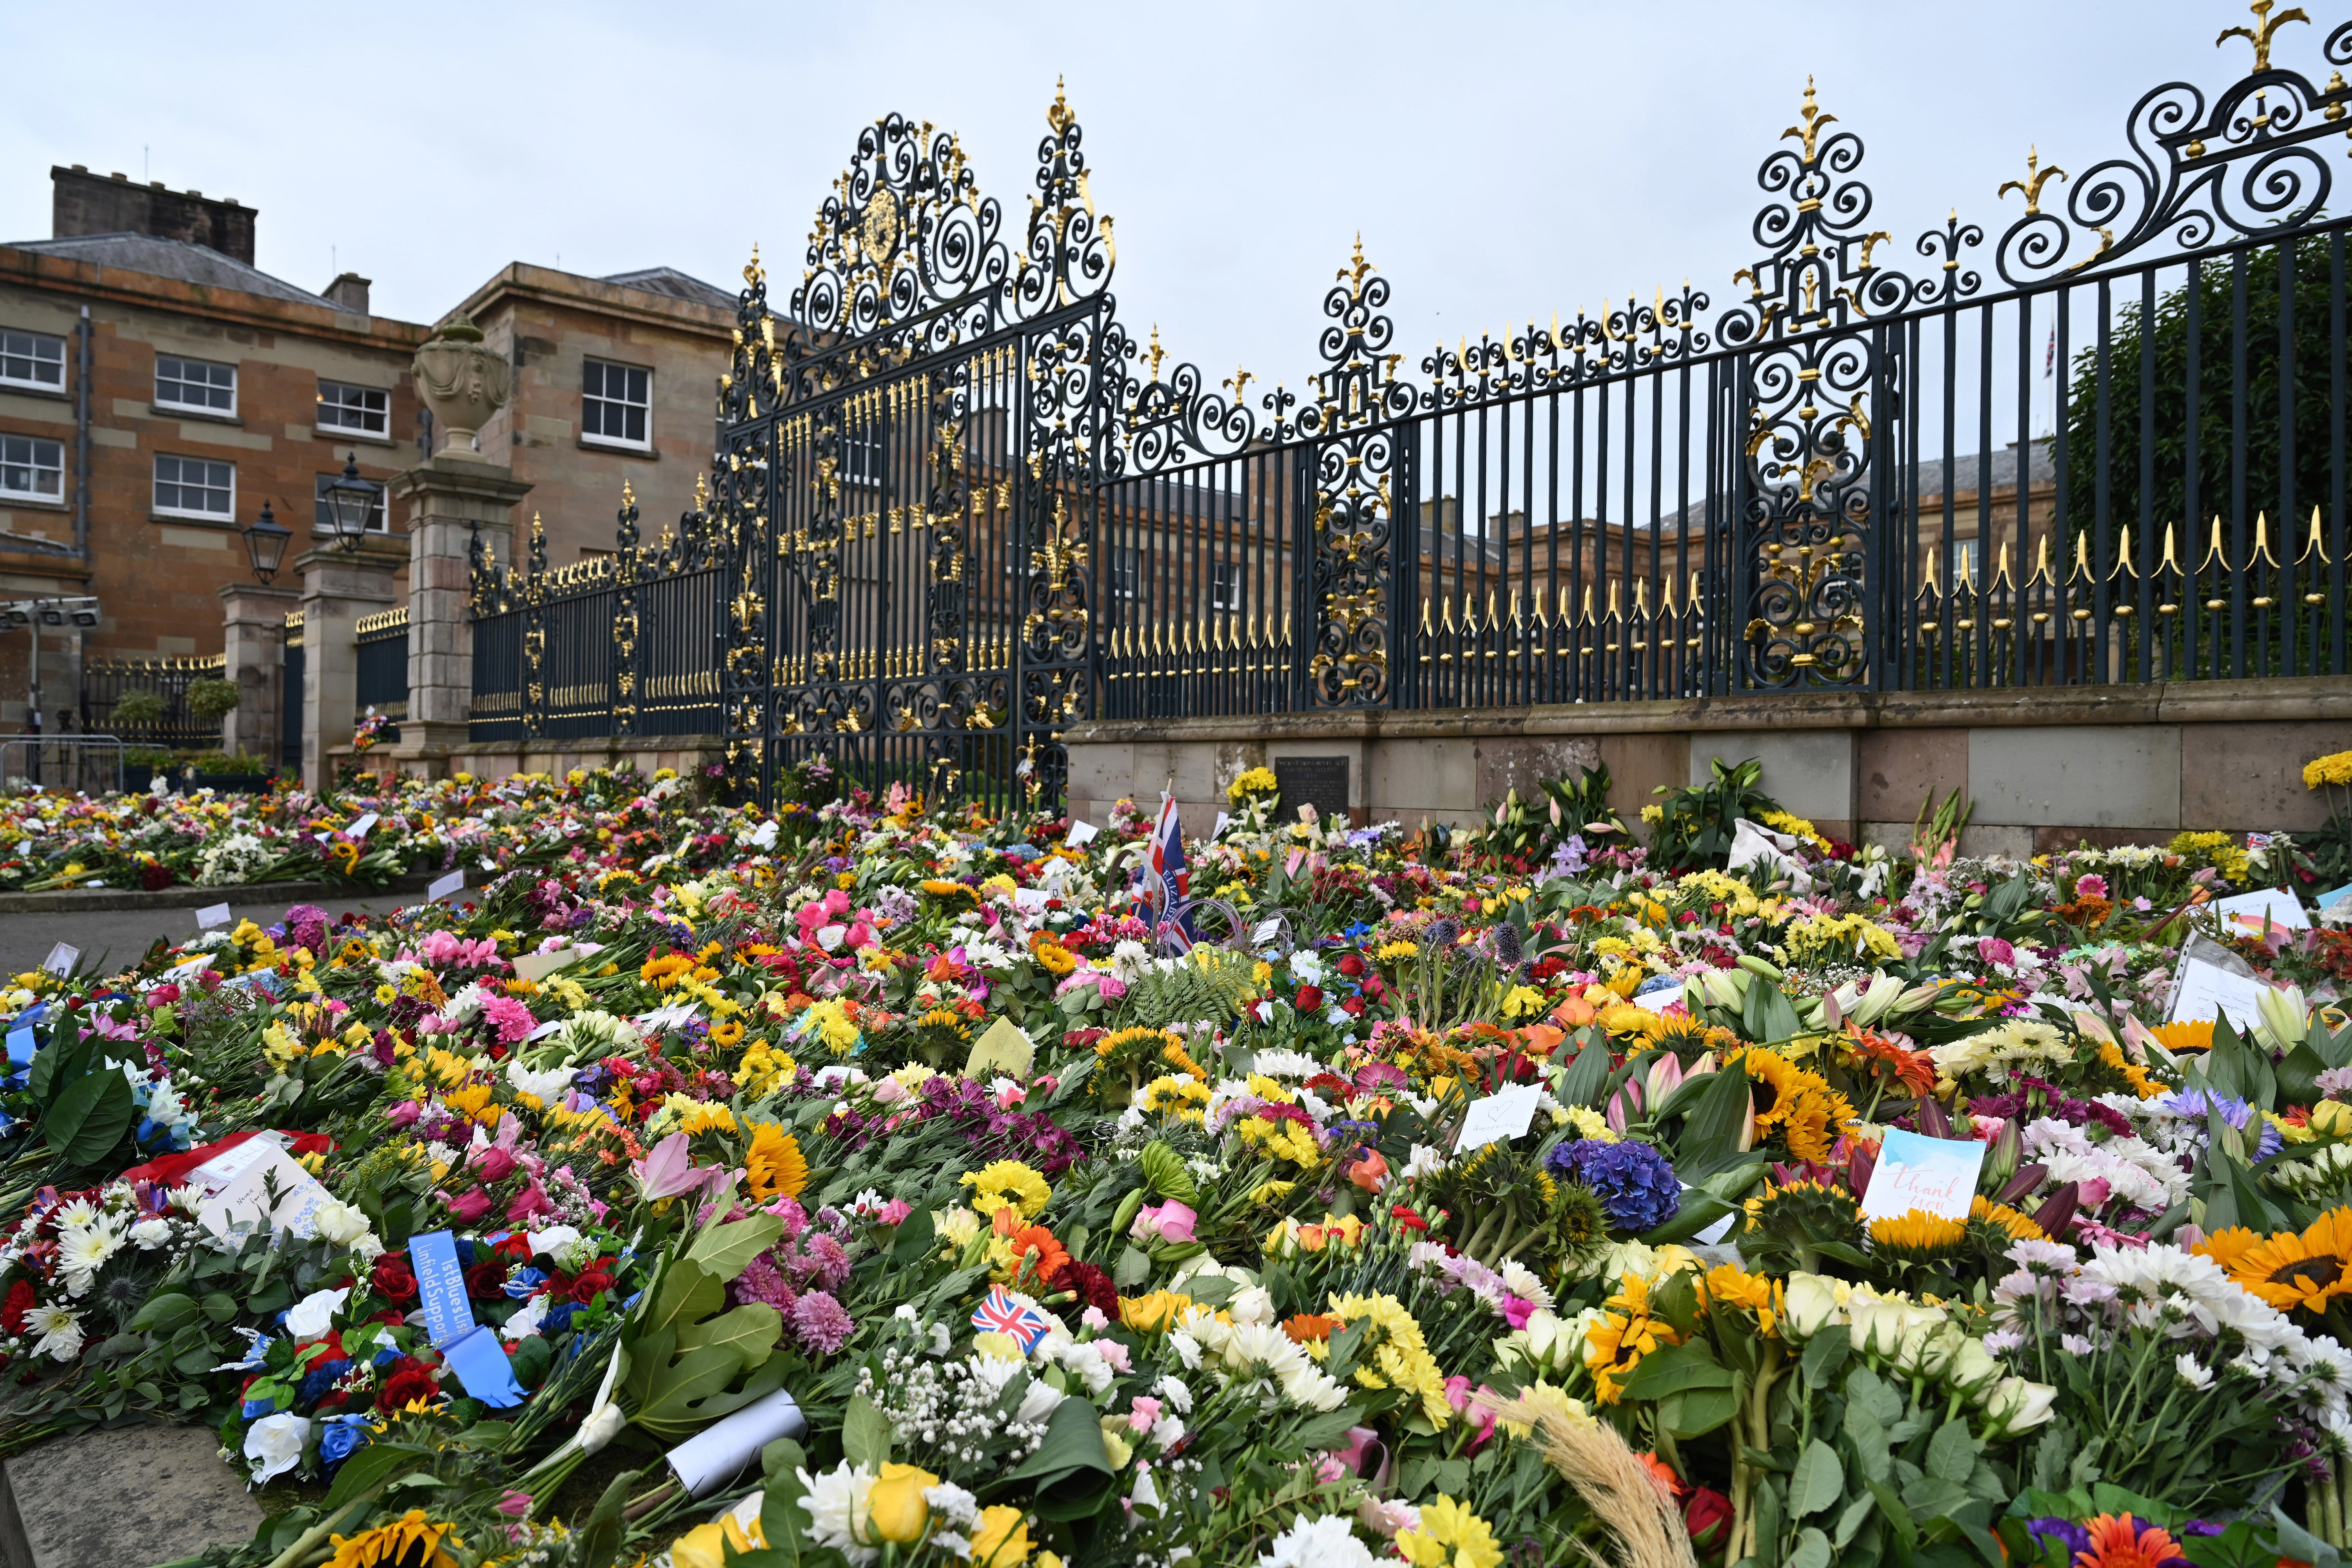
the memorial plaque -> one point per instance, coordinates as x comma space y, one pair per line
1319, 782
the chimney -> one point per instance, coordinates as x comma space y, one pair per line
82, 202
349, 291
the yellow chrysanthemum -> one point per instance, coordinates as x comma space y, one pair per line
1008, 1183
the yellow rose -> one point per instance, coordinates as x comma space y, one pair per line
703, 1546
895, 1503
1001, 1539
2332, 1117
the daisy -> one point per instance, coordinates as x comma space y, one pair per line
83, 1251
61, 1330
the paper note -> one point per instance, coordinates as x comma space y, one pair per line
1220, 827
359, 829
540, 965
61, 959
1002, 1048
453, 882
1081, 834
1937, 1174
2249, 910
228, 1165
246, 1199
1034, 899
720, 1451
1659, 1000
1265, 930
1498, 1117
545, 1029
212, 917
2204, 990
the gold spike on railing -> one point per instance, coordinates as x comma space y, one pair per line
2261, 540
1427, 633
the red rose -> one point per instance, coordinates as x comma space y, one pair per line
394, 1280
1351, 966
487, 1280
411, 1380
313, 1144
1706, 1515
19, 1302
591, 1285
1353, 1007
1404, 1216
1309, 998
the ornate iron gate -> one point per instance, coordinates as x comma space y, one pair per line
905, 501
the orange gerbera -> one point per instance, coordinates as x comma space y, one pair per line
2307, 1271
1034, 1250
1302, 1327
1913, 1071
2122, 1541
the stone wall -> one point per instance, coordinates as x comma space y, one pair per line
2044, 766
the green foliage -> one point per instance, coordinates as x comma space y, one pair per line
1523, 834
212, 699
138, 710
1696, 825
1212, 983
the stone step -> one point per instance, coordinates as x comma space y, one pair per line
124, 1498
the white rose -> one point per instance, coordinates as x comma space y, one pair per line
151, 1233
1253, 1304
1812, 1304
341, 1223
555, 1236
2017, 1405
274, 1444
315, 1313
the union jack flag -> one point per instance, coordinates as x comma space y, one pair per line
1001, 1314
1162, 883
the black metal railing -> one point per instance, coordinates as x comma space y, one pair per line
380, 683
958, 506
105, 682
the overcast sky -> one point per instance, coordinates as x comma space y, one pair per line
1502, 161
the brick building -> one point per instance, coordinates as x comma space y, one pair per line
614, 378
155, 389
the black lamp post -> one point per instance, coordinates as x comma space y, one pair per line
351, 500
265, 544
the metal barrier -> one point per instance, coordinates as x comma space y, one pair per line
88, 764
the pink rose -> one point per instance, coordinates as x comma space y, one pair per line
1170, 1221
1992, 950
470, 1207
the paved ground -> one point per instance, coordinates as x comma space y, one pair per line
123, 934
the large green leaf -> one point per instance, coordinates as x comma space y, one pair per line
692, 1391
686, 1294
724, 1251
1675, 1369
1710, 1135
866, 1433
167, 1312
1587, 1078
1818, 1481
91, 1116
750, 1331
1071, 1470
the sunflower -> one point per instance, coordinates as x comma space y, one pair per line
2307, 1271
728, 1033
1055, 958
1674, 1029
2013, 1225
941, 888
2226, 1246
1619, 1339
412, 1540
1774, 1081
2185, 1037
1813, 1121
1915, 1235
775, 1166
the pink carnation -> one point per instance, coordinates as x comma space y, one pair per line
821, 1323
508, 1016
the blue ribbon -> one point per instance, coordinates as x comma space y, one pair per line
470, 1350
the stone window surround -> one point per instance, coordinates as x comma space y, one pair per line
176, 514
598, 441
384, 434
35, 498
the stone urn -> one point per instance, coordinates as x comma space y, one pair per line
462, 382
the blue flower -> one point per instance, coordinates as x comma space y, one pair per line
319, 1379
256, 1407
523, 1282
1635, 1184
2194, 1105
344, 1435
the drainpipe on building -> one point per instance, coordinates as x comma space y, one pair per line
81, 438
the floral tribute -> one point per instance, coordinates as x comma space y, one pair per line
868, 1183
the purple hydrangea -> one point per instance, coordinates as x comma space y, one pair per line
1635, 1184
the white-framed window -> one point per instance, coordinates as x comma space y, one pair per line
616, 404
195, 383
1967, 561
32, 468
32, 359
1225, 585
364, 410
322, 522
1126, 572
196, 487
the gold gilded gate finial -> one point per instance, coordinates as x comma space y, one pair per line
2265, 27
1059, 117
1809, 132
753, 273
2035, 178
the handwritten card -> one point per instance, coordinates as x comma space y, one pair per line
1498, 1117
1031, 898
1937, 1174
61, 959
453, 882
2204, 990
246, 1201
1002, 1048
212, 917
1081, 834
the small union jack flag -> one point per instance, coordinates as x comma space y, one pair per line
1162, 883
1001, 1314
